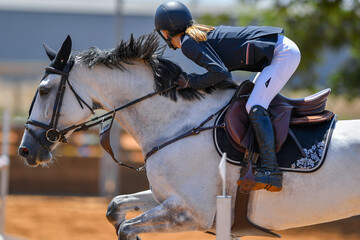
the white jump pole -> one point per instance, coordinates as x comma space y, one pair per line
4, 176
4, 168
223, 207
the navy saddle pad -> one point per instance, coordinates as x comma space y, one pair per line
314, 140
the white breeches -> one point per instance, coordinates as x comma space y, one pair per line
273, 78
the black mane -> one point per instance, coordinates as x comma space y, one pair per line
147, 48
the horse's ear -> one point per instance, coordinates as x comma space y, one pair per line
51, 53
63, 54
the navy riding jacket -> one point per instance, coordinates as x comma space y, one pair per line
229, 48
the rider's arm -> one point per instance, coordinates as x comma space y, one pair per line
205, 56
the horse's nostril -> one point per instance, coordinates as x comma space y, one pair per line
24, 151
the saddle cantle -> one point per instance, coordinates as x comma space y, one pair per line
283, 113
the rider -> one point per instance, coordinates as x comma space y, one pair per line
223, 49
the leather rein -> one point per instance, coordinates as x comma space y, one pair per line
53, 135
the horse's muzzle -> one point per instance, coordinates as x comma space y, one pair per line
31, 150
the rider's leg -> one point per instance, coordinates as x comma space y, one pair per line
269, 176
274, 77
267, 85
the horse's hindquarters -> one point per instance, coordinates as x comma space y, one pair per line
329, 194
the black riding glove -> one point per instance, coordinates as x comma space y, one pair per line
182, 82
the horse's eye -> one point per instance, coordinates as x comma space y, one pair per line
43, 91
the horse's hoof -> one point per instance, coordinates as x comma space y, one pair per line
137, 238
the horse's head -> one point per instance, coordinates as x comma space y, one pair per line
58, 104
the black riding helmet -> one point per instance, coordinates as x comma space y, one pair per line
174, 17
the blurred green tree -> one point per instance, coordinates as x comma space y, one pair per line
315, 25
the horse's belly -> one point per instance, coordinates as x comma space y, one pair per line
329, 194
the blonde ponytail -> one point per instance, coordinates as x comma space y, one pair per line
199, 32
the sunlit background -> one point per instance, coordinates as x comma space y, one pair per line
68, 199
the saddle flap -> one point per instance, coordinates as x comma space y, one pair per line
237, 121
238, 126
280, 120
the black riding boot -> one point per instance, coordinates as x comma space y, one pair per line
268, 176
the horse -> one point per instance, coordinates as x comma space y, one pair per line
184, 177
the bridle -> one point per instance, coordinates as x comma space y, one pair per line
54, 135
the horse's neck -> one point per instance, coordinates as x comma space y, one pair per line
154, 120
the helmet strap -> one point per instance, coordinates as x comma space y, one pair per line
167, 40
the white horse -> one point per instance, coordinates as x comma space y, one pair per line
184, 176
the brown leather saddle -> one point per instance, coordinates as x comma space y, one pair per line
283, 112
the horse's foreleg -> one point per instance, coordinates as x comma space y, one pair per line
170, 216
121, 205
